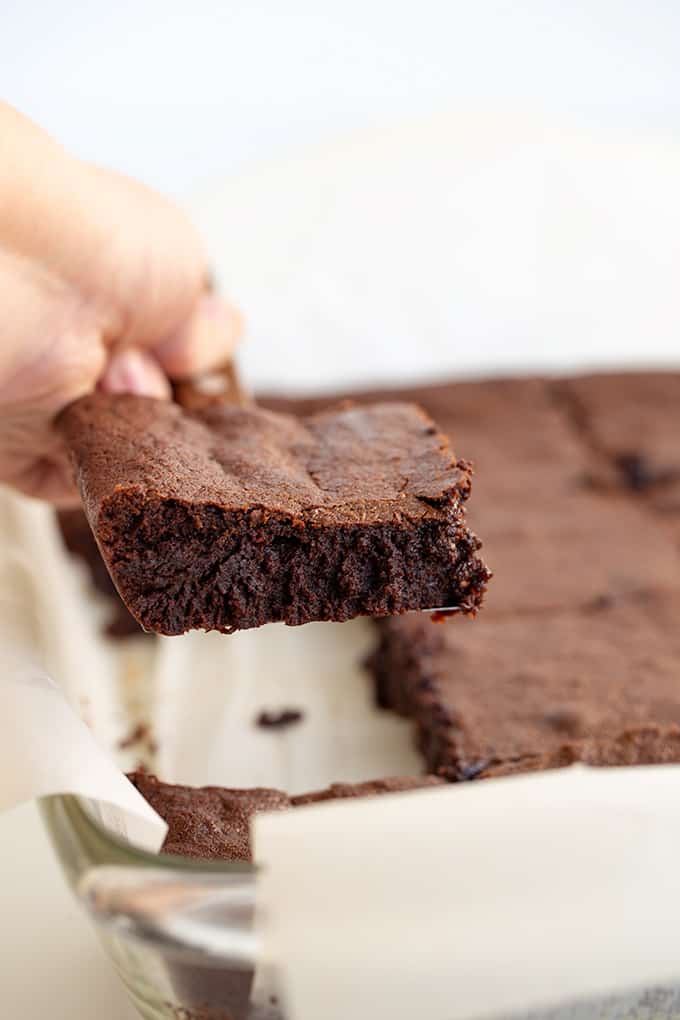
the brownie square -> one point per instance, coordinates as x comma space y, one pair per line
587, 552
516, 433
534, 692
631, 421
551, 540
208, 822
225, 517
213, 822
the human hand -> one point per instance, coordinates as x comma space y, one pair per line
104, 284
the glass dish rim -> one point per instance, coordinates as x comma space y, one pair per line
76, 812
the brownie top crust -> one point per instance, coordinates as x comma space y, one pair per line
225, 517
554, 539
375, 462
208, 822
213, 822
524, 693
631, 421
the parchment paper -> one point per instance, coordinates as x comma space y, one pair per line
477, 899
46, 748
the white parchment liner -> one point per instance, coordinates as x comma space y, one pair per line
47, 632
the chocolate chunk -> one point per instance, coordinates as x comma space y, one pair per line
280, 720
632, 420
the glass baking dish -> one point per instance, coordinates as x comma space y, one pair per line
179, 932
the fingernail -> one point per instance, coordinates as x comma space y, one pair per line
206, 340
133, 371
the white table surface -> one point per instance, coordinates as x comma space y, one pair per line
50, 965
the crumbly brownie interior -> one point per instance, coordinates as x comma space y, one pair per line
226, 518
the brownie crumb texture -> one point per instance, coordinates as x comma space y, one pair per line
224, 517
214, 822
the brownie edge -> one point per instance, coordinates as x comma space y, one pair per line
224, 518
213, 822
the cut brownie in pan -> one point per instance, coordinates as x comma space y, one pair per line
551, 540
521, 442
526, 693
588, 551
207, 822
632, 420
224, 517
212, 822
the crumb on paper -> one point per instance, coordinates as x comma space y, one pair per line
139, 734
279, 719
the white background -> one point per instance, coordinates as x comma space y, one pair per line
180, 94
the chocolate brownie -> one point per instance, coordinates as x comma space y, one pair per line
632, 421
78, 538
532, 692
551, 540
213, 822
370, 788
588, 551
529, 461
225, 517
207, 822
513, 429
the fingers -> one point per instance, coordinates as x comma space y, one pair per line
133, 371
49, 478
206, 340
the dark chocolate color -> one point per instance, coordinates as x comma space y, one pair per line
552, 540
523, 693
279, 720
230, 517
